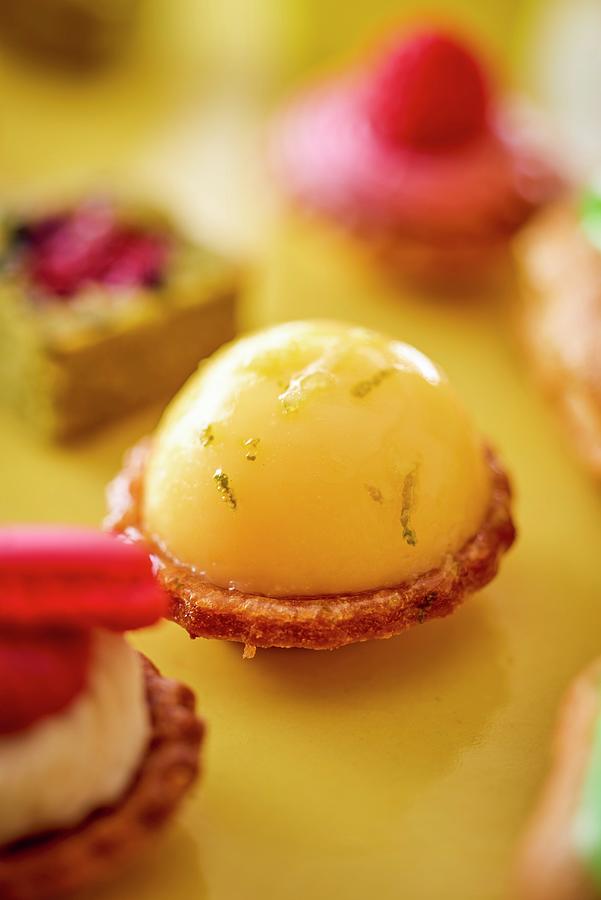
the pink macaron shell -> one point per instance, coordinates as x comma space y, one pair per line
74, 576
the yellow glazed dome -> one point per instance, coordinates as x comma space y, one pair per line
315, 458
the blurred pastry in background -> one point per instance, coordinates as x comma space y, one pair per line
68, 33
561, 65
560, 857
97, 748
314, 485
559, 260
105, 307
418, 156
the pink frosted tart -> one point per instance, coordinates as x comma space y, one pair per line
417, 156
97, 748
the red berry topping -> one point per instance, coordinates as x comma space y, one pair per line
429, 93
40, 674
65, 253
137, 259
75, 577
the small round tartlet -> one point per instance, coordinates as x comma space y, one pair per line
313, 485
416, 156
559, 263
97, 748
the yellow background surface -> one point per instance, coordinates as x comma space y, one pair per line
396, 768
402, 768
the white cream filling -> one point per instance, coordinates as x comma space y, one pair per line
53, 774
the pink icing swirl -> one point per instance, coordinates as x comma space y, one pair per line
329, 157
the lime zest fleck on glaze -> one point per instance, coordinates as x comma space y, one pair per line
223, 486
251, 445
590, 215
206, 435
408, 501
363, 388
301, 386
375, 493
289, 406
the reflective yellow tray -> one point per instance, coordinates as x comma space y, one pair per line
401, 768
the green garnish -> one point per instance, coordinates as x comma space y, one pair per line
590, 216
408, 501
206, 436
586, 824
363, 388
251, 444
223, 486
375, 493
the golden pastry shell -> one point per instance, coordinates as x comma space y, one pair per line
319, 623
55, 864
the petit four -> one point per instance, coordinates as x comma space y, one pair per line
97, 748
417, 156
315, 484
559, 261
104, 307
68, 33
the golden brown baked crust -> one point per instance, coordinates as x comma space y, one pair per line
55, 864
318, 623
547, 865
560, 272
462, 264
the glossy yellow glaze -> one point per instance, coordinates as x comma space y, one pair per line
315, 458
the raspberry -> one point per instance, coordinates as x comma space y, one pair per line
136, 260
76, 578
66, 251
429, 93
90, 246
40, 674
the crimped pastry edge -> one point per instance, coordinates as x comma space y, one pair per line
319, 623
56, 864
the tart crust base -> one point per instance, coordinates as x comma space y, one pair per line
317, 623
64, 861
462, 265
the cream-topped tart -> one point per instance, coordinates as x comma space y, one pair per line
315, 484
96, 748
44, 788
